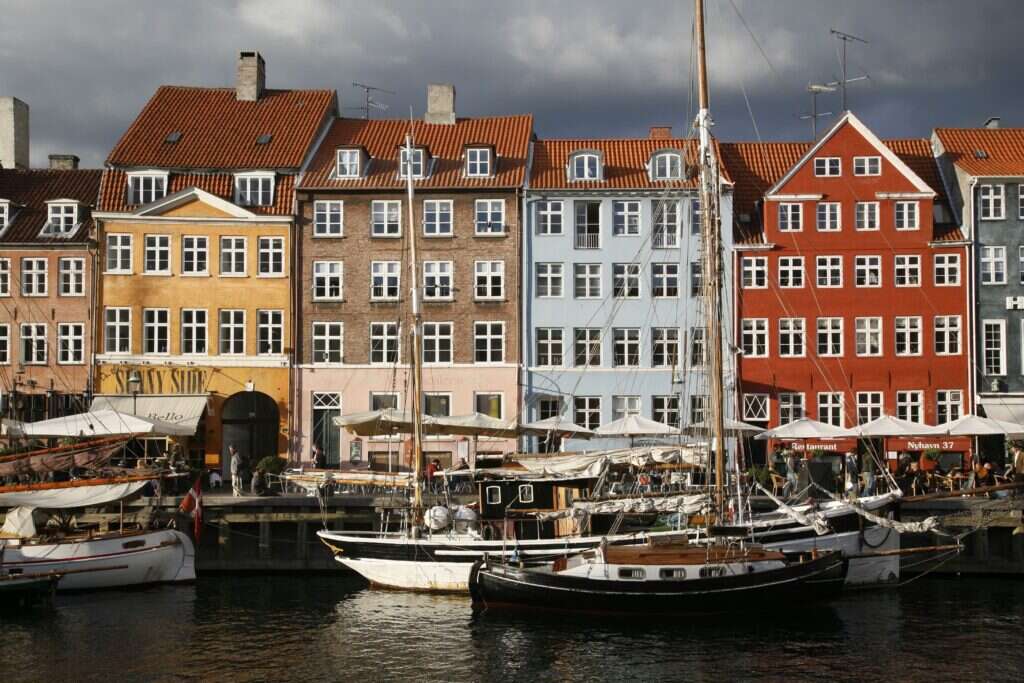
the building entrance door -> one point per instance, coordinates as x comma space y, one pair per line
250, 422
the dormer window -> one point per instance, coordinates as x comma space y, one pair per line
62, 217
585, 166
347, 165
418, 156
826, 167
144, 188
478, 162
5, 214
667, 166
254, 189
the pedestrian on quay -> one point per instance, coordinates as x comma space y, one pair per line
315, 458
236, 471
256, 484
852, 474
431, 471
791, 474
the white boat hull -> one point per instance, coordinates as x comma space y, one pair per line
413, 575
863, 571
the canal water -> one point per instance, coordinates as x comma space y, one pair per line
331, 628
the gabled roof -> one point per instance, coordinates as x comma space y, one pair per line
381, 138
218, 131
625, 163
29, 190
1002, 150
114, 191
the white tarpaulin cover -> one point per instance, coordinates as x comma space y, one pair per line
591, 464
804, 428
181, 410
559, 426
19, 523
71, 496
391, 421
887, 425
689, 505
97, 423
635, 425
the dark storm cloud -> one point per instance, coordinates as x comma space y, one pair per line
583, 68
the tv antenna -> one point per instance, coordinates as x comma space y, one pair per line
816, 90
846, 38
368, 102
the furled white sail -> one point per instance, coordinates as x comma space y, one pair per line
71, 496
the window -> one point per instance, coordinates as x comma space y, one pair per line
5, 277
1020, 202
386, 219
665, 409
328, 280
791, 337
791, 407
695, 214
626, 280
328, 342
908, 271
384, 343
867, 216
665, 280
588, 225
384, 400
667, 166
271, 256
947, 270
118, 330
867, 166
994, 346
626, 218
33, 277
587, 280
869, 336
72, 276
755, 407
826, 166
698, 408
908, 336
910, 405
491, 404
755, 272
325, 434
828, 217
489, 342
791, 271
869, 406
254, 190
490, 217
1020, 261
478, 161
585, 167
754, 337
232, 255
790, 217
626, 347
907, 215
830, 408
549, 218
437, 404
33, 343
119, 253
417, 163
494, 495
697, 346
830, 337
829, 271
437, 280
549, 346
328, 218
868, 271
549, 280
194, 255
193, 331
269, 332
587, 411
5, 214
664, 347
587, 350
992, 202
61, 219
947, 335
437, 342
347, 163
993, 265
696, 279
623, 406
232, 332
666, 224
949, 405
158, 254
385, 277
156, 331
549, 406
146, 188
490, 280
5, 344
437, 217
71, 343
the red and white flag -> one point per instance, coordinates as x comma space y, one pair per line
193, 503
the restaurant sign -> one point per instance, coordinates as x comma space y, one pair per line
811, 445
960, 444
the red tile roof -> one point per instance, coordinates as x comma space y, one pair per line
509, 135
1003, 150
625, 163
29, 190
114, 190
220, 132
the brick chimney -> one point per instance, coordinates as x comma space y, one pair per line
440, 103
992, 122
63, 162
660, 133
250, 80
13, 133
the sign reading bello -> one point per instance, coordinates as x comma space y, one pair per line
164, 380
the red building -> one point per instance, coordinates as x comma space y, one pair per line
852, 281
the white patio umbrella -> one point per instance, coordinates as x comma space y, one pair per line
635, 425
804, 428
556, 426
887, 425
974, 425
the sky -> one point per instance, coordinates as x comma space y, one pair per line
602, 68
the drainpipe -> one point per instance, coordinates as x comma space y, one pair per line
972, 362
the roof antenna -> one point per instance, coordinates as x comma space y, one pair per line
816, 90
368, 102
846, 38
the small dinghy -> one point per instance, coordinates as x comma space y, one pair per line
674, 578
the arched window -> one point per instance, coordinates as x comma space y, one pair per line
667, 166
585, 166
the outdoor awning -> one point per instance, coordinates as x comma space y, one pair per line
103, 422
804, 428
556, 426
181, 410
972, 425
635, 425
887, 425
391, 421
1003, 408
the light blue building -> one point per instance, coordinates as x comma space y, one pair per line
613, 319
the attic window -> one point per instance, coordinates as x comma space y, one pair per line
347, 163
5, 213
478, 161
980, 154
144, 188
62, 218
173, 137
254, 189
585, 166
667, 166
418, 157
264, 139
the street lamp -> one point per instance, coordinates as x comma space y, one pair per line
135, 386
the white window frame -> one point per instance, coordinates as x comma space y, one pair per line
232, 251
946, 264
138, 192
478, 162
754, 270
756, 407
993, 265
438, 276
438, 218
992, 202
589, 274
828, 167
264, 182
328, 218
71, 276
624, 405
629, 276
867, 166
584, 166
492, 334
867, 216
791, 217
61, 219
754, 337
588, 340
667, 224
831, 402
667, 166
117, 328
5, 344
489, 208
5, 276
117, 244
192, 246
908, 333
828, 265
346, 165
35, 280
196, 321
832, 329
948, 401
829, 217
269, 332
270, 245
386, 271
589, 408
550, 346
382, 211
908, 268
553, 275
626, 217
1020, 202
386, 342
630, 340
231, 328
867, 329
870, 406
419, 163
910, 405
328, 346
33, 338
864, 265
948, 334
550, 215
792, 406
159, 248
999, 325
500, 395
791, 272
666, 410
662, 279
489, 277
438, 333
905, 218
152, 326
792, 337
328, 277
665, 342
71, 344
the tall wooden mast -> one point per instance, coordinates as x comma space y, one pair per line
414, 333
